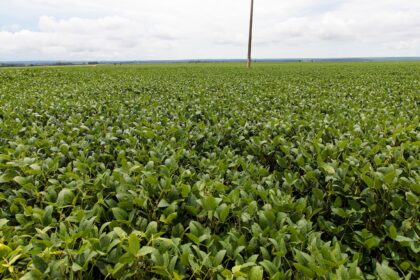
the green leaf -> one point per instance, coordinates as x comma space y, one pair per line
146, 250
412, 198
39, 263
389, 177
3, 222
209, 203
34, 274
120, 232
219, 257
127, 258
168, 219
133, 244
5, 178
392, 230
117, 270
75, 267
4, 251
119, 214
163, 204
224, 213
22, 181
256, 273
35, 166
328, 168
368, 181
305, 270
386, 273
65, 197
415, 187
269, 267
152, 228
47, 218
193, 238
176, 276
372, 242
185, 190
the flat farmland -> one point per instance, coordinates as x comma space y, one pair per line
210, 171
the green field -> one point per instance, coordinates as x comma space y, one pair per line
210, 171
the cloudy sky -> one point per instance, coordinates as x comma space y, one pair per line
194, 29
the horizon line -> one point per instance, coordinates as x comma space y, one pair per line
198, 60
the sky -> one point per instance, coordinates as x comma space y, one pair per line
206, 29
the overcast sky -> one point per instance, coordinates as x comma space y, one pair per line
194, 29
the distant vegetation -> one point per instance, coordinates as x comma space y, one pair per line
190, 171
110, 62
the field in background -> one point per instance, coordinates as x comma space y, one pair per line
211, 171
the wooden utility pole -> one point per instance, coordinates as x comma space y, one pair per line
251, 19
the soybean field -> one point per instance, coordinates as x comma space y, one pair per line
210, 171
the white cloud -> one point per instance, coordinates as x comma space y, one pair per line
76, 38
167, 29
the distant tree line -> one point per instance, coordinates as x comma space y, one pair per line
9, 64
59, 63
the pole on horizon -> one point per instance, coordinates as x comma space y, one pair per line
251, 19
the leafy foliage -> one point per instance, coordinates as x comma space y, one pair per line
288, 171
